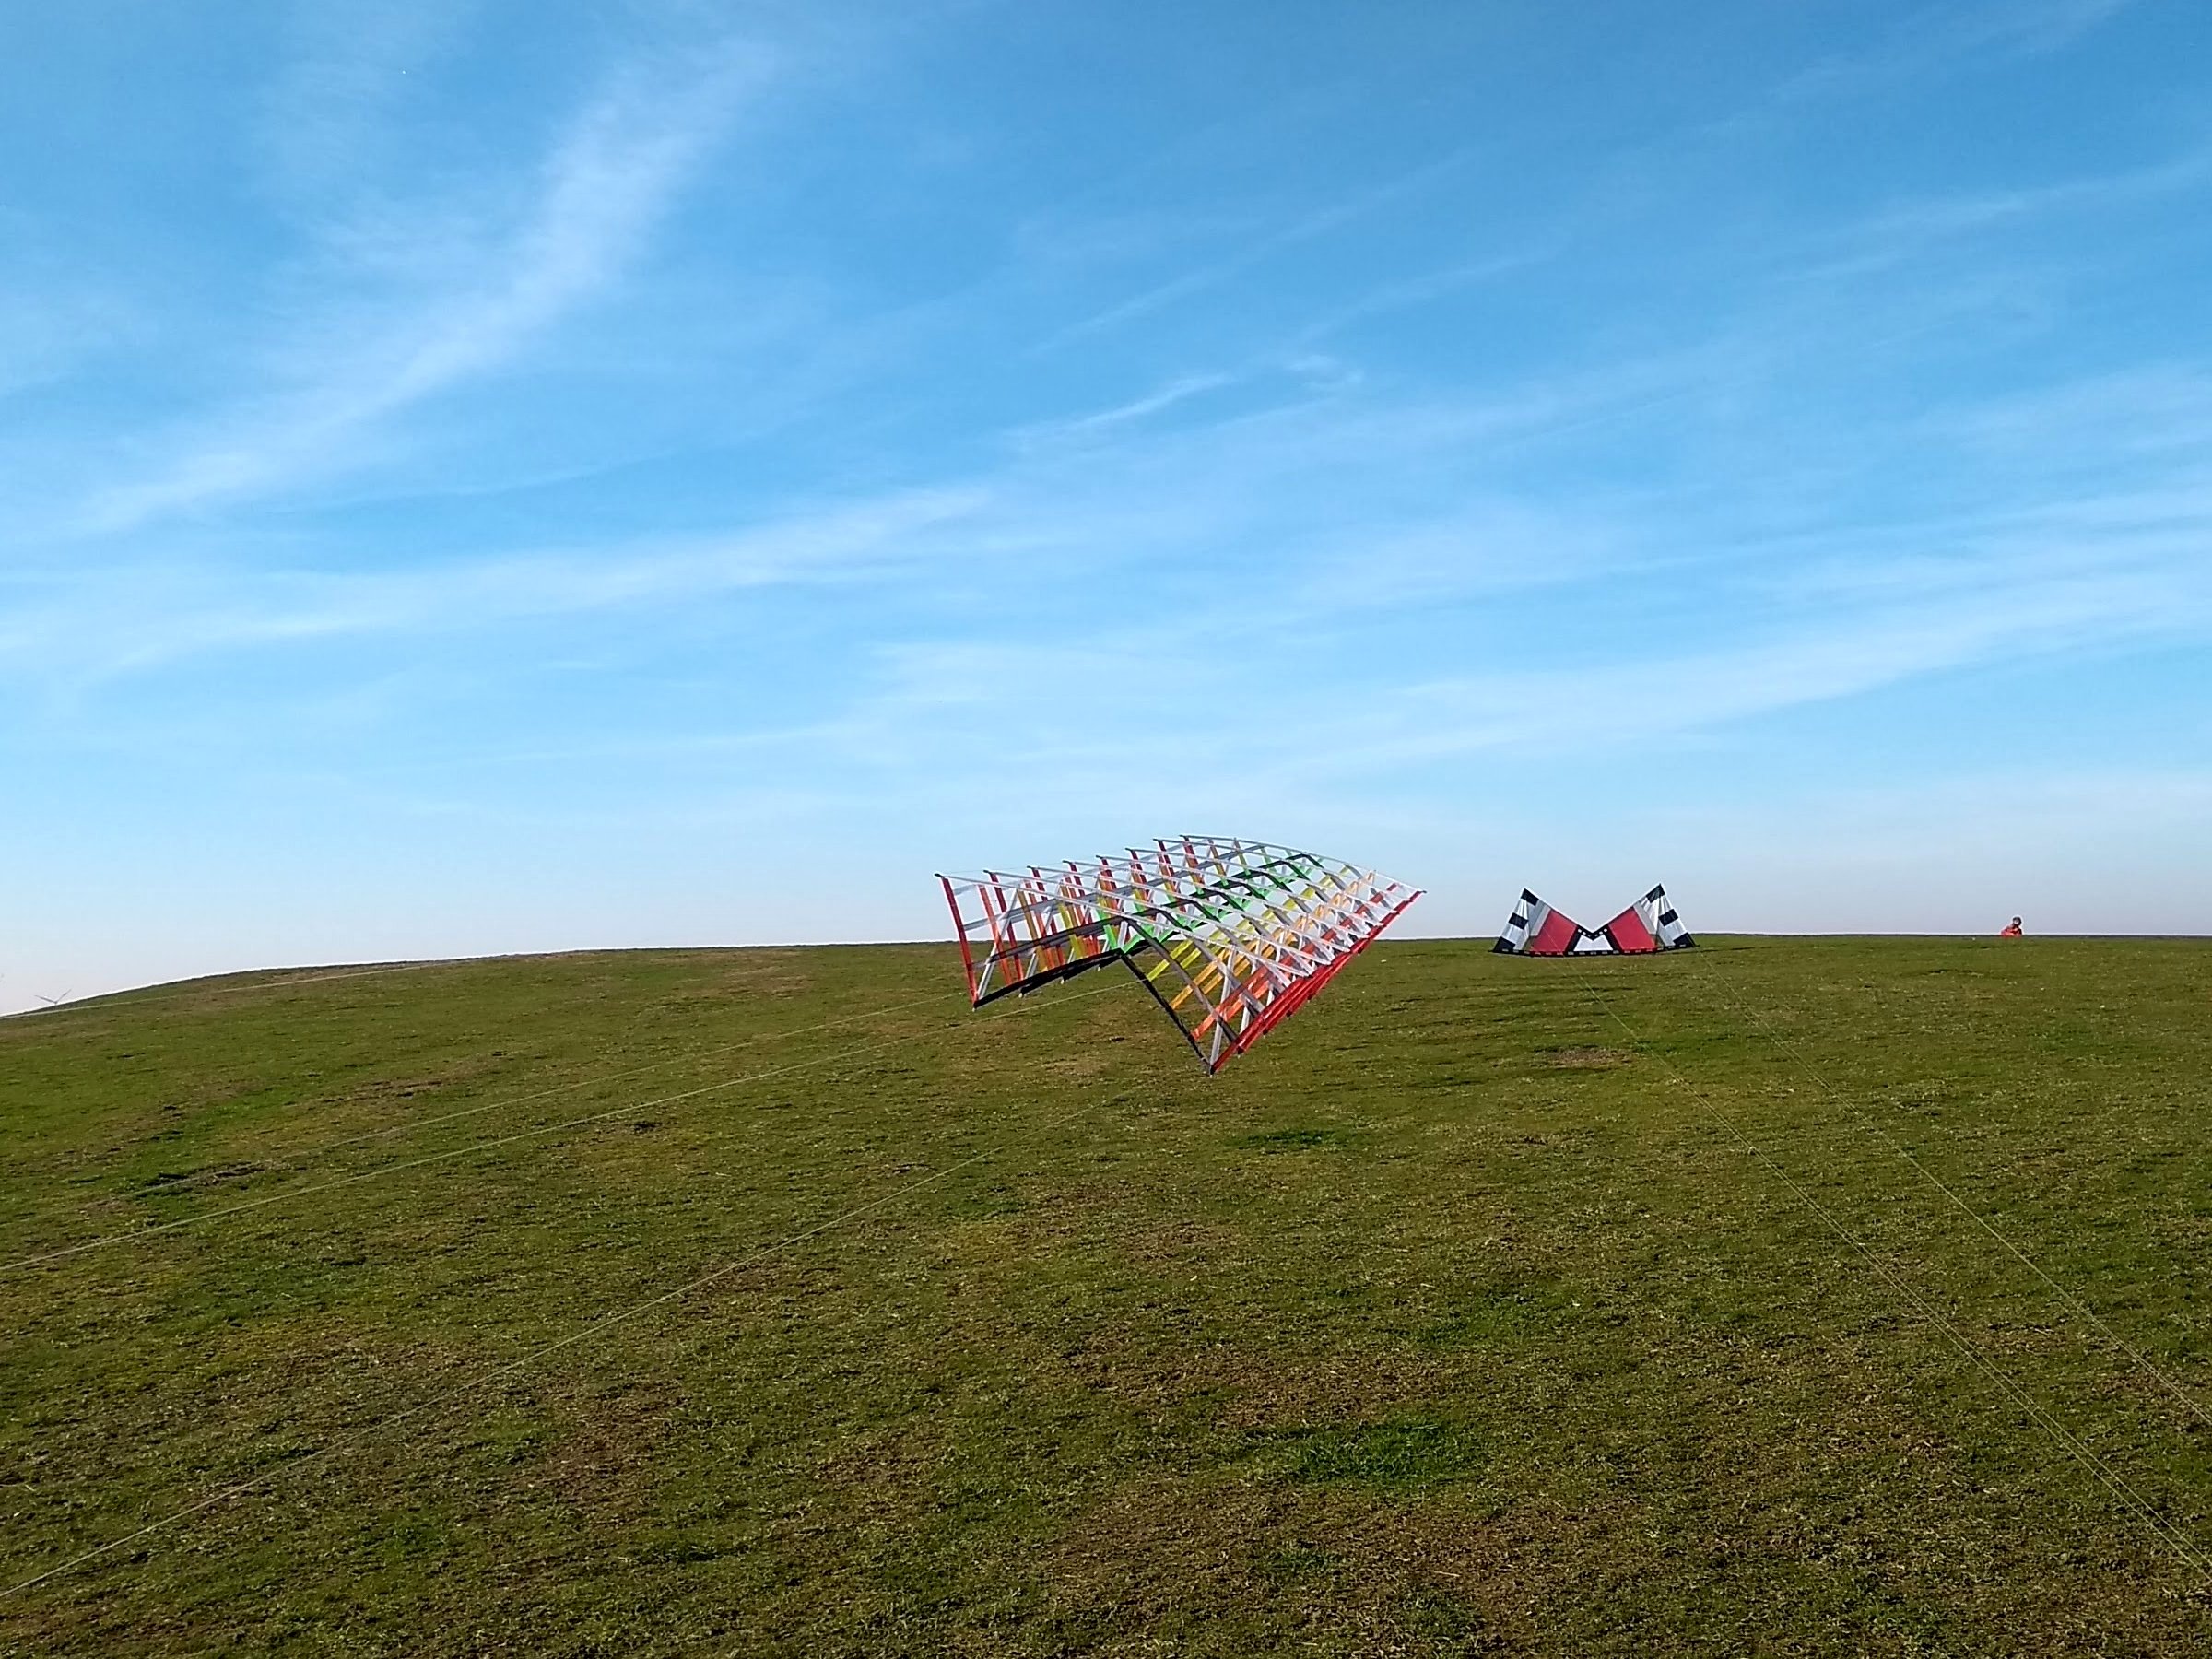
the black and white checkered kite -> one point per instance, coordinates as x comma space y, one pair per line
1648, 924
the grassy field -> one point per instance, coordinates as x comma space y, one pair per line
768, 1301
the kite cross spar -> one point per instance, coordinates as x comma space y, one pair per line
1231, 937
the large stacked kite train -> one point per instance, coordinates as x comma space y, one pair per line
1231, 937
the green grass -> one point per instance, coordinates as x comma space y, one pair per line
1453, 1319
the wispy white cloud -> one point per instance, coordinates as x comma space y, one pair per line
594, 200
1224, 678
48, 330
2036, 26
937, 722
2013, 577
1916, 226
73, 633
1257, 249
1181, 389
1353, 507
1939, 39
2152, 413
1612, 702
1610, 705
1407, 293
326, 121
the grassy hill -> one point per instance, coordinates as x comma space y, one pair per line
768, 1301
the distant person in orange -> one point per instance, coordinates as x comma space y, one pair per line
2011, 930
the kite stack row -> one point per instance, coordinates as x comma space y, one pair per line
1231, 937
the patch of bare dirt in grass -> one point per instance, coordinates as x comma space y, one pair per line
198, 1179
1338, 1571
1182, 1243
741, 987
883, 1480
384, 1091
1584, 1058
599, 1448
1239, 1393
1085, 1063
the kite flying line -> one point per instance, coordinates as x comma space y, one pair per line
636, 1070
428, 1159
144, 994
2163, 1530
1865, 1120
414, 1125
368, 1431
540, 1132
139, 995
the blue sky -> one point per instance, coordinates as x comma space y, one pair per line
486, 477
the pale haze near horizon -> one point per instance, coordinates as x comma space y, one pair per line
485, 478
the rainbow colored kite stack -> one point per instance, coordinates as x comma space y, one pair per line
1231, 937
